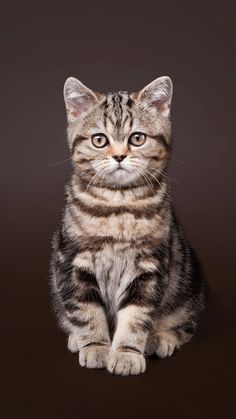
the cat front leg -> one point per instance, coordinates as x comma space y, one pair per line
134, 321
127, 351
85, 319
90, 336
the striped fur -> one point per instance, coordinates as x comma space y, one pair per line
125, 281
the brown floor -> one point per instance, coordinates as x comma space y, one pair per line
109, 46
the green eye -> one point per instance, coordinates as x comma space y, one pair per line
137, 139
99, 140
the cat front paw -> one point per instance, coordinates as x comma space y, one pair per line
167, 343
126, 363
73, 343
94, 356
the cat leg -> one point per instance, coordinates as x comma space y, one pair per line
72, 343
162, 344
134, 322
170, 332
127, 351
85, 319
90, 336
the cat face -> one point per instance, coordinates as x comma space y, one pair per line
119, 139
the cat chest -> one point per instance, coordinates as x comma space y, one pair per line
114, 272
121, 227
114, 267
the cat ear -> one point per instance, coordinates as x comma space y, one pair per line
158, 94
78, 98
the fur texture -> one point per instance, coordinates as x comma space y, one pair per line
125, 281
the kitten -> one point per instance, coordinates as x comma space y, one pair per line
125, 281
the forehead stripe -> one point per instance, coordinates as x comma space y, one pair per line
105, 104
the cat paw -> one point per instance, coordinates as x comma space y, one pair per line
94, 356
72, 343
126, 363
166, 345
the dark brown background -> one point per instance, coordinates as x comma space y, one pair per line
115, 45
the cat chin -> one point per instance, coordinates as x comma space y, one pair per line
122, 177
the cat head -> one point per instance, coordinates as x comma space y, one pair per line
119, 139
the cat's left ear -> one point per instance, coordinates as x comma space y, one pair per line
78, 98
158, 94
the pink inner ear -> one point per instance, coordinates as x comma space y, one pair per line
160, 104
74, 113
79, 106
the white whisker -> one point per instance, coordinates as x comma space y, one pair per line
59, 162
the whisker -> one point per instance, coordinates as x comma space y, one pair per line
59, 162
178, 161
165, 174
91, 171
143, 176
149, 182
150, 174
143, 183
93, 181
164, 190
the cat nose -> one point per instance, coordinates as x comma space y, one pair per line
119, 158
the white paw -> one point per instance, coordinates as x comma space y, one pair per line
126, 363
94, 356
166, 345
72, 343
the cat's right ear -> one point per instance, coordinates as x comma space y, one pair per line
78, 98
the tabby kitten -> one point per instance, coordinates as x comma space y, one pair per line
125, 281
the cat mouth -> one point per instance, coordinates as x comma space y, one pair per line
118, 169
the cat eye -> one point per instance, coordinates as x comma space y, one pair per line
137, 139
99, 140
